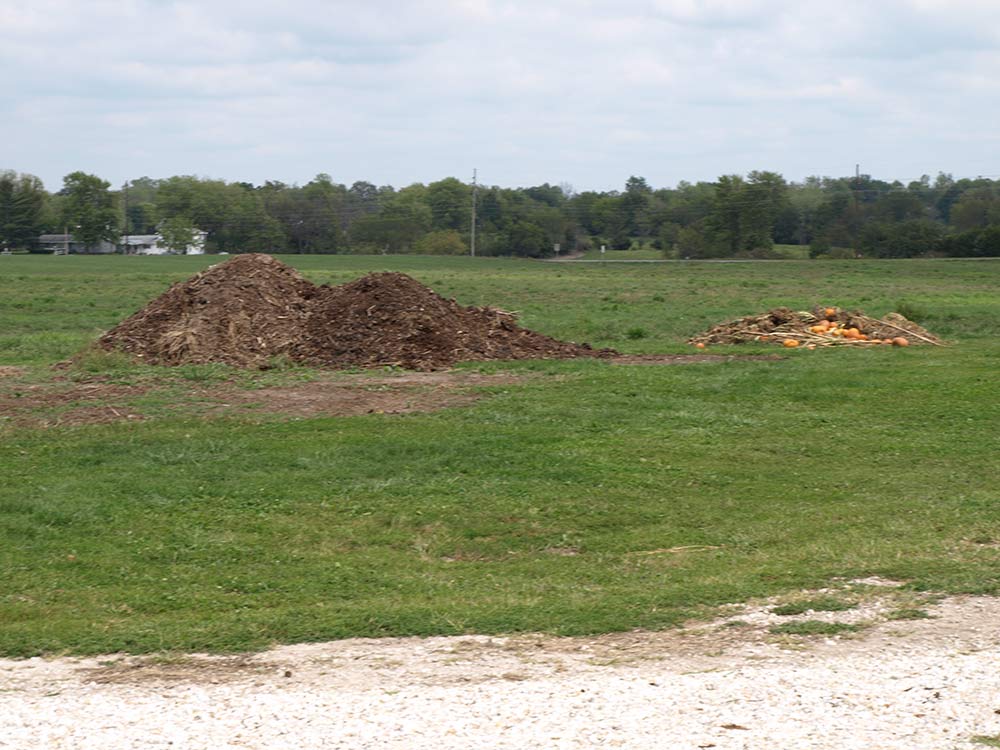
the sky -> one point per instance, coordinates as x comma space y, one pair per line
583, 93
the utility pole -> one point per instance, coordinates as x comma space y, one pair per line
125, 225
475, 191
857, 215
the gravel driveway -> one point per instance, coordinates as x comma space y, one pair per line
909, 684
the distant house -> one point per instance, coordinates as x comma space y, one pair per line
61, 243
134, 244
152, 244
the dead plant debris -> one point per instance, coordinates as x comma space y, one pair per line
820, 327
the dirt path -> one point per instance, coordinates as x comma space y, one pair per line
911, 684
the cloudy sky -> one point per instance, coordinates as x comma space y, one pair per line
584, 92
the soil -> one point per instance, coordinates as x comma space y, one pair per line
253, 309
97, 399
358, 395
51, 404
65, 403
781, 324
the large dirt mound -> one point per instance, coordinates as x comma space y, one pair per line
242, 312
392, 319
823, 326
252, 308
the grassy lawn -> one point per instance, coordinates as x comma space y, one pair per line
553, 504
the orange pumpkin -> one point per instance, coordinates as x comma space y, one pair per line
790, 343
900, 341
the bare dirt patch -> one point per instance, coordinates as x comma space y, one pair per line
64, 402
184, 668
357, 395
7, 371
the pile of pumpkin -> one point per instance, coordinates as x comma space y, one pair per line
821, 327
833, 331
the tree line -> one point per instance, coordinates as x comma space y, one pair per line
735, 216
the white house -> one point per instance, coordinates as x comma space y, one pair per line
152, 244
134, 244
60, 244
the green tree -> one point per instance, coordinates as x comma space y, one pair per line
176, 234
635, 205
977, 208
450, 201
906, 239
22, 201
727, 220
691, 243
528, 240
89, 209
442, 242
766, 198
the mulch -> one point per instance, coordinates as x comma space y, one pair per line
253, 309
242, 312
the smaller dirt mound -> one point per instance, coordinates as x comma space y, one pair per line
823, 326
242, 312
392, 319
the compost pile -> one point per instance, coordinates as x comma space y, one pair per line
242, 312
820, 327
392, 319
253, 308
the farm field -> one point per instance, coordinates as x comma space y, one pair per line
559, 496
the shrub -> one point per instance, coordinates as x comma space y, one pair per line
444, 242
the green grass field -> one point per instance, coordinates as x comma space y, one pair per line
552, 504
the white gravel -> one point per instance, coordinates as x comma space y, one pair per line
912, 684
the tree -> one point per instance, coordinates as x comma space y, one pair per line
443, 242
88, 209
528, 240
728, 214
766, 199
451, 204
176, 234
988, 243
691, 243
22, 201
635, 204
977, 208
907, 239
